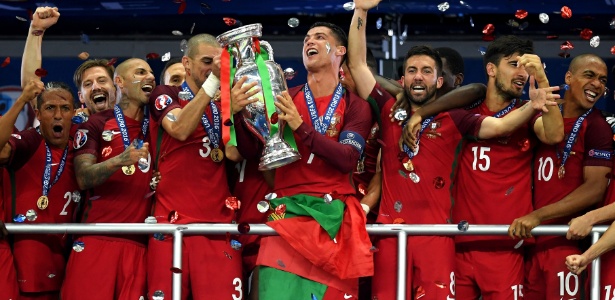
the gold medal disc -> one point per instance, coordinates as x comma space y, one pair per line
42, 202
217, 155
128, 170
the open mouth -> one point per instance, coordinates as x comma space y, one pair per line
311, 52
57, 131
99, 99
418, 88
519, 83
590, 95
147, 88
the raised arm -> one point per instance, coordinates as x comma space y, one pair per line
7, 122
357, 48
549, 128
42, 19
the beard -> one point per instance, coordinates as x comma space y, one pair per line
430, 92
508, 94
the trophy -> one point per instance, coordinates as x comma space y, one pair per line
261, 116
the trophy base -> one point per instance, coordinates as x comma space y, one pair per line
277, 153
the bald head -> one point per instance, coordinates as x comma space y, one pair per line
582, 60
125, 65
195, 41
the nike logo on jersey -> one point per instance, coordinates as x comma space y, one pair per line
346, 296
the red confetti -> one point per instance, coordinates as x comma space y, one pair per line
566, 12
525, 145
564, 54
152, 55
173, 216
521, 13
6, 62
567, 45
399, 221
613, 50
488, 29
419, 293
243, 228
335, 195
438, 182
107, 151
280, 209
229, 21
274, 118
233, 203
362, 189
586, 34
112, 62
552, 37
228, 122
488, 38
181, 8
40, 72
176, 270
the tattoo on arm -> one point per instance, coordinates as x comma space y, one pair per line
359, 23
91, 174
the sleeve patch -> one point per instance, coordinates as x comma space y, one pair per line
162, 101
601, 154
81, 137
353, 139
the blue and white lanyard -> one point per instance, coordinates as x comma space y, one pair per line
321, 127
47, 174
121, 124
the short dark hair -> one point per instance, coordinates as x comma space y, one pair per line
90, 63
169, 63
424, 50
506, 46
453, 59
54, 85
338, 33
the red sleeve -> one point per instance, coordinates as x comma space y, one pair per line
344, 157
380, 95
163, 99
467, 123
91, 131
598, 142
23, 146
247, 144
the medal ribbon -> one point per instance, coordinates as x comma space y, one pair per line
418, 138
506, 109
47, 174
572, 138
214, 131
121, 123
321, 127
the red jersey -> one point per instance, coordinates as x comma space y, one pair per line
493, 184
327, 160
122, 198
367, 165
192, 184
610, 191
39, 258
427, 201
593, 147
250, 188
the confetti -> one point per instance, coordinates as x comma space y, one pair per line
293, 22
83, 55
229, 21
566, 12
111, 63
181, 8
40, 72
289, 73
586, 34
6, 62
521, 14
274, 118
152, 55
166, 56
21, 18
177, 32
594, 41
544, 18
567, 45
444, 6
349, 6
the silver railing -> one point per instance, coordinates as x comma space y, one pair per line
401, 231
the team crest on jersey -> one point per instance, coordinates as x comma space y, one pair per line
332, 131
433, 130
81, 137
162, 101
17, 136
106, 151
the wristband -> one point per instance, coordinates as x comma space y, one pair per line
211, 85
365, 208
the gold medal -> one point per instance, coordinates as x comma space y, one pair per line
217, 155
408, 165
128, 170
42, 202
561, 172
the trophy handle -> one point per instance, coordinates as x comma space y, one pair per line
267, 47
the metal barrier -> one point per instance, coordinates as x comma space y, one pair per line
402, 231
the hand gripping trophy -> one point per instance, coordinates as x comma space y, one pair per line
254, 59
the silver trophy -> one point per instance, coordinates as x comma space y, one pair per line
241, 42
